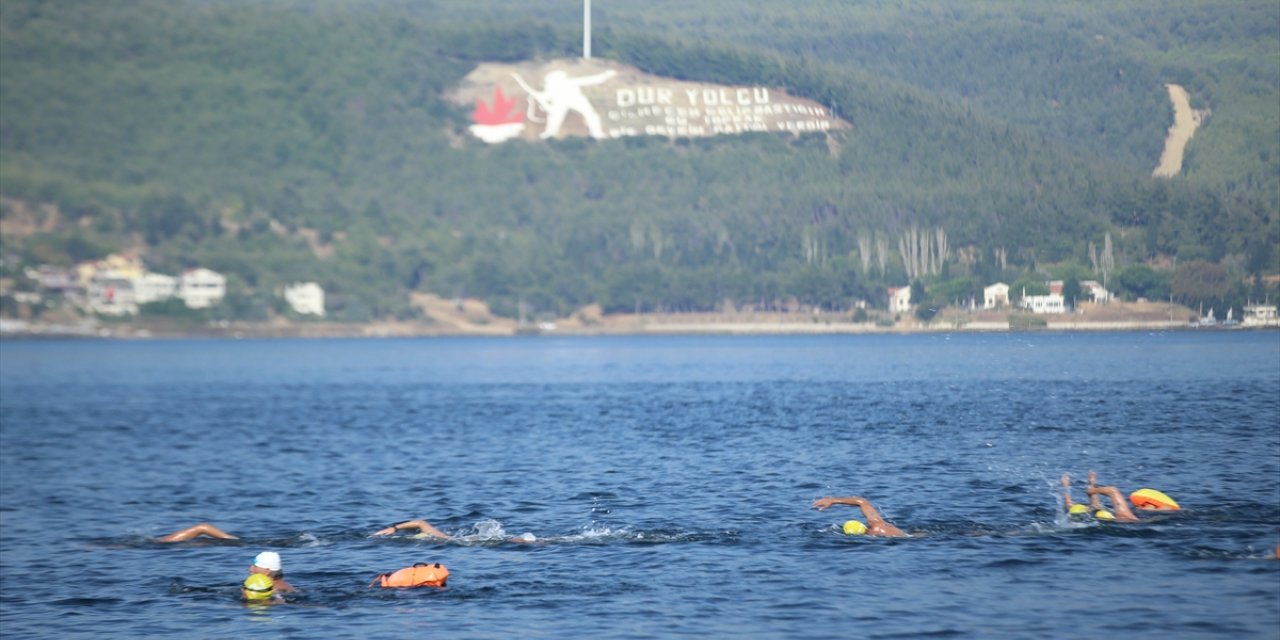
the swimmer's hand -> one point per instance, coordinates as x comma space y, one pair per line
385, 532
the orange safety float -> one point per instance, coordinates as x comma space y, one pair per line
1152, 499
421, 574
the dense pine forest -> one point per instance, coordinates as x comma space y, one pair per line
283, 141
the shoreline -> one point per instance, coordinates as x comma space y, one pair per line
475, 320
11, 330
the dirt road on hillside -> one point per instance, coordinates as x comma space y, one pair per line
1185, 122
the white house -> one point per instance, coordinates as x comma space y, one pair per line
1260, 315
1095, 289
899, 299
1052, 303
201, 288
112, 296
305, 298
995, 296
55, 278
154, 286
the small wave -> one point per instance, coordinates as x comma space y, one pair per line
305, 540
87, 602
492, 531
1008, 563
595, 495
1212, 553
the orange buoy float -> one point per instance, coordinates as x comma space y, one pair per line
1152, 499
420, 574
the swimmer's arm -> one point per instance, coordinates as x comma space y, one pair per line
876, 524
1118, 503
821, 504
283, 587
1095, 502
421, 525
195, 531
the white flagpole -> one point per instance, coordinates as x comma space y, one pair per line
586, 28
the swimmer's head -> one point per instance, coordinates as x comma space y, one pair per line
1078, 509
258, 587
1103, 514
854, 528
268, 560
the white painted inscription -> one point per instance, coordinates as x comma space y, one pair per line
611, 101
707, 111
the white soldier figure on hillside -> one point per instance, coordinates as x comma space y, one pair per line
561, 94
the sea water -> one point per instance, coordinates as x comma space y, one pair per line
667, 482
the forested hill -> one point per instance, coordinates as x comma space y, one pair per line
288, 141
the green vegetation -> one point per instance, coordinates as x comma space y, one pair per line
286, 141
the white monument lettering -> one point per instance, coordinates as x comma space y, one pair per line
567, 105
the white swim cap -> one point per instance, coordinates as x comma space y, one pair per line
268, 560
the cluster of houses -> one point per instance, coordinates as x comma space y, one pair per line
996, 296
117, 285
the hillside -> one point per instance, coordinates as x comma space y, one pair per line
286, 141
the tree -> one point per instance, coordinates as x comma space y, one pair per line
1141, 281
1070, 292
1198, 282
1108, 260
1028, 284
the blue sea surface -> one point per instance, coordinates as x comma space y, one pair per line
667, 480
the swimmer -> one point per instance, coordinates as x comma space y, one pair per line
195, 531
1118, 503
426, 531
259, 588
1142, 499
875, 526
268, 564
424, 528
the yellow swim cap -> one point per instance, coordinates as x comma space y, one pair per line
1077, 509
1103, 514
258, 587
854, 528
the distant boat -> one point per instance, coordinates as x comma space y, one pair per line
1207, 320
